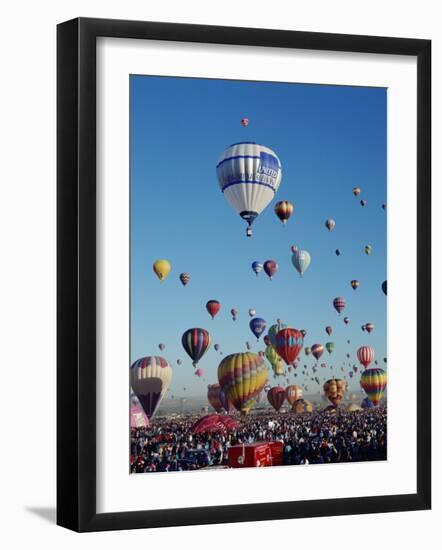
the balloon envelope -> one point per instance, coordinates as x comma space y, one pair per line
196, 341
249, 176
161, 269
374, 382
301, 260
150, 379
289, 342
276, 397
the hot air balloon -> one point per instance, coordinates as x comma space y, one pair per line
213, 306
257, 326
249, 176
150, 379
199, 373
330, 224
294, 248
244, 122
329, 329
161, 346
384, 287
384, 207
363, 202
214, 423
346, 320
284, 209
363, 328
330, 346
274, 359
354, 284
374, 382
226, 403
273, 331
365, 355
302, 406
270, 268
317, 350
213, 397
335, 390
179, 362
161, 269
356, 191
252, 312
301, 260
234, 313
293, 393
248, 346
289, 342
308, 350
276, 397
368, 249
366, 404
216, 346
196, 341
369, 327
242, 377
184, 278
257, 267
339, 304
338, 252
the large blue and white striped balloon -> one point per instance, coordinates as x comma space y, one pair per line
249, 175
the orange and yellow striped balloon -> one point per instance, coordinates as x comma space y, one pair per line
242, 377
284, 209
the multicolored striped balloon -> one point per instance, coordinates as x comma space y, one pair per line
339, 304
242, 377
284, 209
196, 341
374, 382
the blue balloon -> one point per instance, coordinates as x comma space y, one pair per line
257, 267
366, 404
257, 326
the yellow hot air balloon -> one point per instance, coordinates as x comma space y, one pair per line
162, 269
293, 393
242, 377
302, 406
274, 359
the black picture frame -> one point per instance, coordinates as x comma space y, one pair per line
76, 274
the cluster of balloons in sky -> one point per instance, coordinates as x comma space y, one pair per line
249, 176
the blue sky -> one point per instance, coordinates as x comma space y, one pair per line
329, 139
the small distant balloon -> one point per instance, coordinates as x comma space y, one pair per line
356, 191
330, 224
354, 284
234, 313
301, 260
363, 202
244, 122
184, 278
252, 312
161, 269
213, 307
161, 346
257, 326
338, 252
329, 329
284, 209
384, 287
346, 320
270, 268
368, 249
294, 248
369, 327
257, 267
339, 304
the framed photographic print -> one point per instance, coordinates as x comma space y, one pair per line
243, 274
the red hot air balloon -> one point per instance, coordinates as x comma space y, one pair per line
213, 306
339, 304
317, 350
365, 355
270, 268
244, 122
369, 327
276, 397
289, 342
213, 397
329, 330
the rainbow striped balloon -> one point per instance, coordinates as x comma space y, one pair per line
242, 377
374, 382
